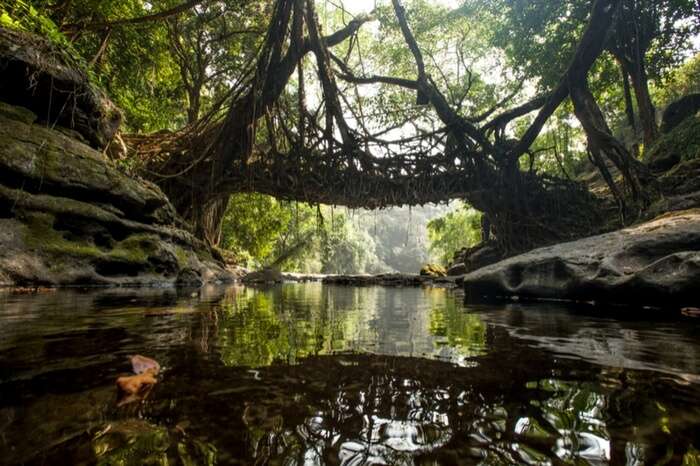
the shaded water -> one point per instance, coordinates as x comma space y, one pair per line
313, 374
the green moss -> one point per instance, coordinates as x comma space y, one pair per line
682, 144
182, 256
40, 235
135, 249
17, 113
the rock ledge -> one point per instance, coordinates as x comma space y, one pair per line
656, 263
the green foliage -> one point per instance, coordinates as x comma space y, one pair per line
663, 30
22, 15
138, 64
261, 230
553, 27
453, 231
400, 235
681, 81
466, 332
346, 250
252, 224
682, 143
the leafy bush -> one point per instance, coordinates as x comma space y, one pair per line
453, 231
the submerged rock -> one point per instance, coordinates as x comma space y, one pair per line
656, 263
68, 216
387, 279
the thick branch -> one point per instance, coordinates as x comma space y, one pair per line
138, 20
347, 75
410, 40
506, 117
426, 86
589, 49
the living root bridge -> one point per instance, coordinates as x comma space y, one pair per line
321, 158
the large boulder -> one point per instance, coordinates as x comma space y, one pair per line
266, 275
656, 263
682, 144
678, 111
45, 79
68, 216
468, 259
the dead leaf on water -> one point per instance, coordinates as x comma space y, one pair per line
133, 384
137, 387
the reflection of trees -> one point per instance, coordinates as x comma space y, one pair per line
405, 411
573, 418
392, 419
287, 323
517, 403
383, 420
461, 332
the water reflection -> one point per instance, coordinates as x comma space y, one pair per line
311, 375
289, 323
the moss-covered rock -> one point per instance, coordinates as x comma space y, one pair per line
679, 110
37, 158
680, 144
17, 113
36, 75
433, 270
68, 216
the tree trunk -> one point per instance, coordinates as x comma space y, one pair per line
629, 111
629, 107
194, 103
602, 144
208, 221
647, 112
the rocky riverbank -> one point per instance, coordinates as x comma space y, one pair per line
68, 216
656, 263
653, 263
269, 276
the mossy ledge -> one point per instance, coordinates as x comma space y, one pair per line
69, 217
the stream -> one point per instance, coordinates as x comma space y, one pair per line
313, 374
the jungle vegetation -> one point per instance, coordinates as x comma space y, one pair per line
503, 104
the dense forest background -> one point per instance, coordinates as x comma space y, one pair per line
169, 64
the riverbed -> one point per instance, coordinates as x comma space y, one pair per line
311, 374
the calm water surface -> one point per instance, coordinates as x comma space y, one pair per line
308, 374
